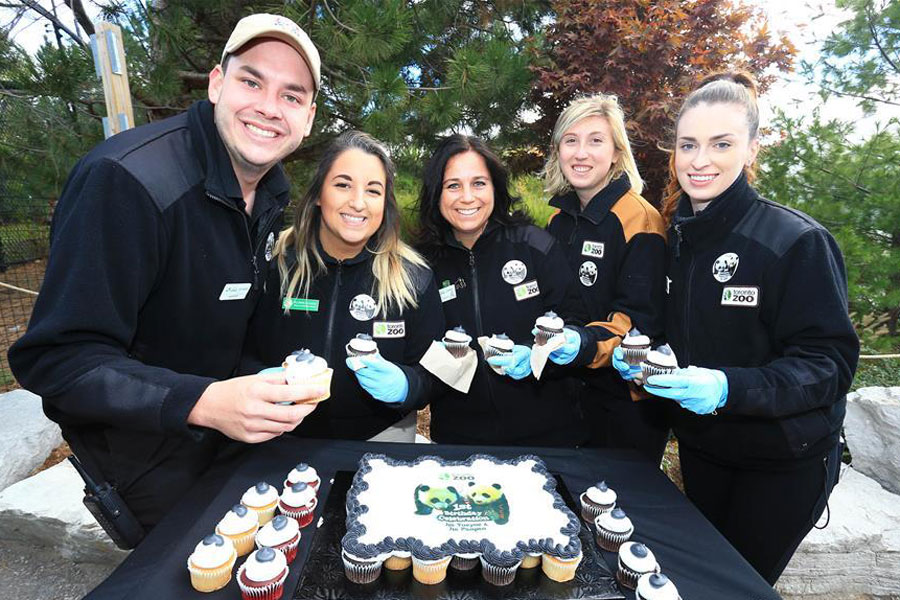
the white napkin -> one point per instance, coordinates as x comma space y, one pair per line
455, 372
540, 354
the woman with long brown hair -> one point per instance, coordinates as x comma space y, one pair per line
756, 314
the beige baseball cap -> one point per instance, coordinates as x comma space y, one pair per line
278, 27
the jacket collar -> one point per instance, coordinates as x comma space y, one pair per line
489, 229
220, 178
719, 218
599, 205
363, 256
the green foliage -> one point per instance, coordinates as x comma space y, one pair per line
862, 57
852, 188
878, 372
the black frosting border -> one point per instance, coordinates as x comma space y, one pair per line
417, 547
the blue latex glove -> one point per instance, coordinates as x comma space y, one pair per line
568, 351
626, 371
516, 364
699, 390
384, 380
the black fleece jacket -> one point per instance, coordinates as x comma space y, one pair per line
759, 291
483, 292
153, 274
341, 304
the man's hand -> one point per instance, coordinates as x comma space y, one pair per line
246, 408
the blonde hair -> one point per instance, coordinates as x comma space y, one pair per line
598, 105
394, 286
720, 88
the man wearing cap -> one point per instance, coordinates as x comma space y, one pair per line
159, 248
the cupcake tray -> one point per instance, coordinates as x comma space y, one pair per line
323, 574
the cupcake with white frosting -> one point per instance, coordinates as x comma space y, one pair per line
635, 559
598, 498
613, 529
211, 562
261, 498
361, 345
282, 534
635, 347
305, 473
302, 367
547, 325
661, 361
239, 525
262, 575
298, 502
361, 570
656, 586
457, 341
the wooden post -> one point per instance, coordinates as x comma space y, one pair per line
109, 62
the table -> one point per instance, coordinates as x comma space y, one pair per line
697, 559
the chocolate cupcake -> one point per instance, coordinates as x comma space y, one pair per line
661, 361
499, 573
635, 347
361, 570
613, 529
635, 559
497, 345
361, 345
656, 586
464, 561
547, 325
597, 499
457, 341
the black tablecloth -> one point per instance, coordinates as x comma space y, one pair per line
697, 559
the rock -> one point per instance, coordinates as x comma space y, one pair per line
857, 554
46, 510
27, 437
872, 427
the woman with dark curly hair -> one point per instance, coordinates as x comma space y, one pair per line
496, 273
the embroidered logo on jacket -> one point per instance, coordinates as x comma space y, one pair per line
270, 246
587, 273
514, 272
593, 249
725, 267
388, 329
740, 295
527, 290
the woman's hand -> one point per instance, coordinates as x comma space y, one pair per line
698, 390
516, 364
384, 380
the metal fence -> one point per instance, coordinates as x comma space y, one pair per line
24, 244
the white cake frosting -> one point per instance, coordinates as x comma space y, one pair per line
237, 520
635, 339
662, 357
438, 508
259, 495
501, 342
261, 565
303, 472
549, 321
212, 552
656, 586
362, 344
301, 365
457, 334
271, 535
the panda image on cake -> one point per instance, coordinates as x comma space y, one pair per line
490, 500
435, 498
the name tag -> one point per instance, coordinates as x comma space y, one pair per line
388, 329
235, 291
594, 249
448, 293
527, 290
740, 295
307, 304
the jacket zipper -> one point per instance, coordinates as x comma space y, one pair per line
478, 327
329, 330
678, 240
686, 324
253, 261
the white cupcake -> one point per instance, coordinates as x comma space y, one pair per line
261, 498
302, 367
211, 562
239, 525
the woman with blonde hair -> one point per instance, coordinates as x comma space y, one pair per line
342, 271
757, 315
614, 241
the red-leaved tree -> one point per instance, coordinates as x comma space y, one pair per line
649, 54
